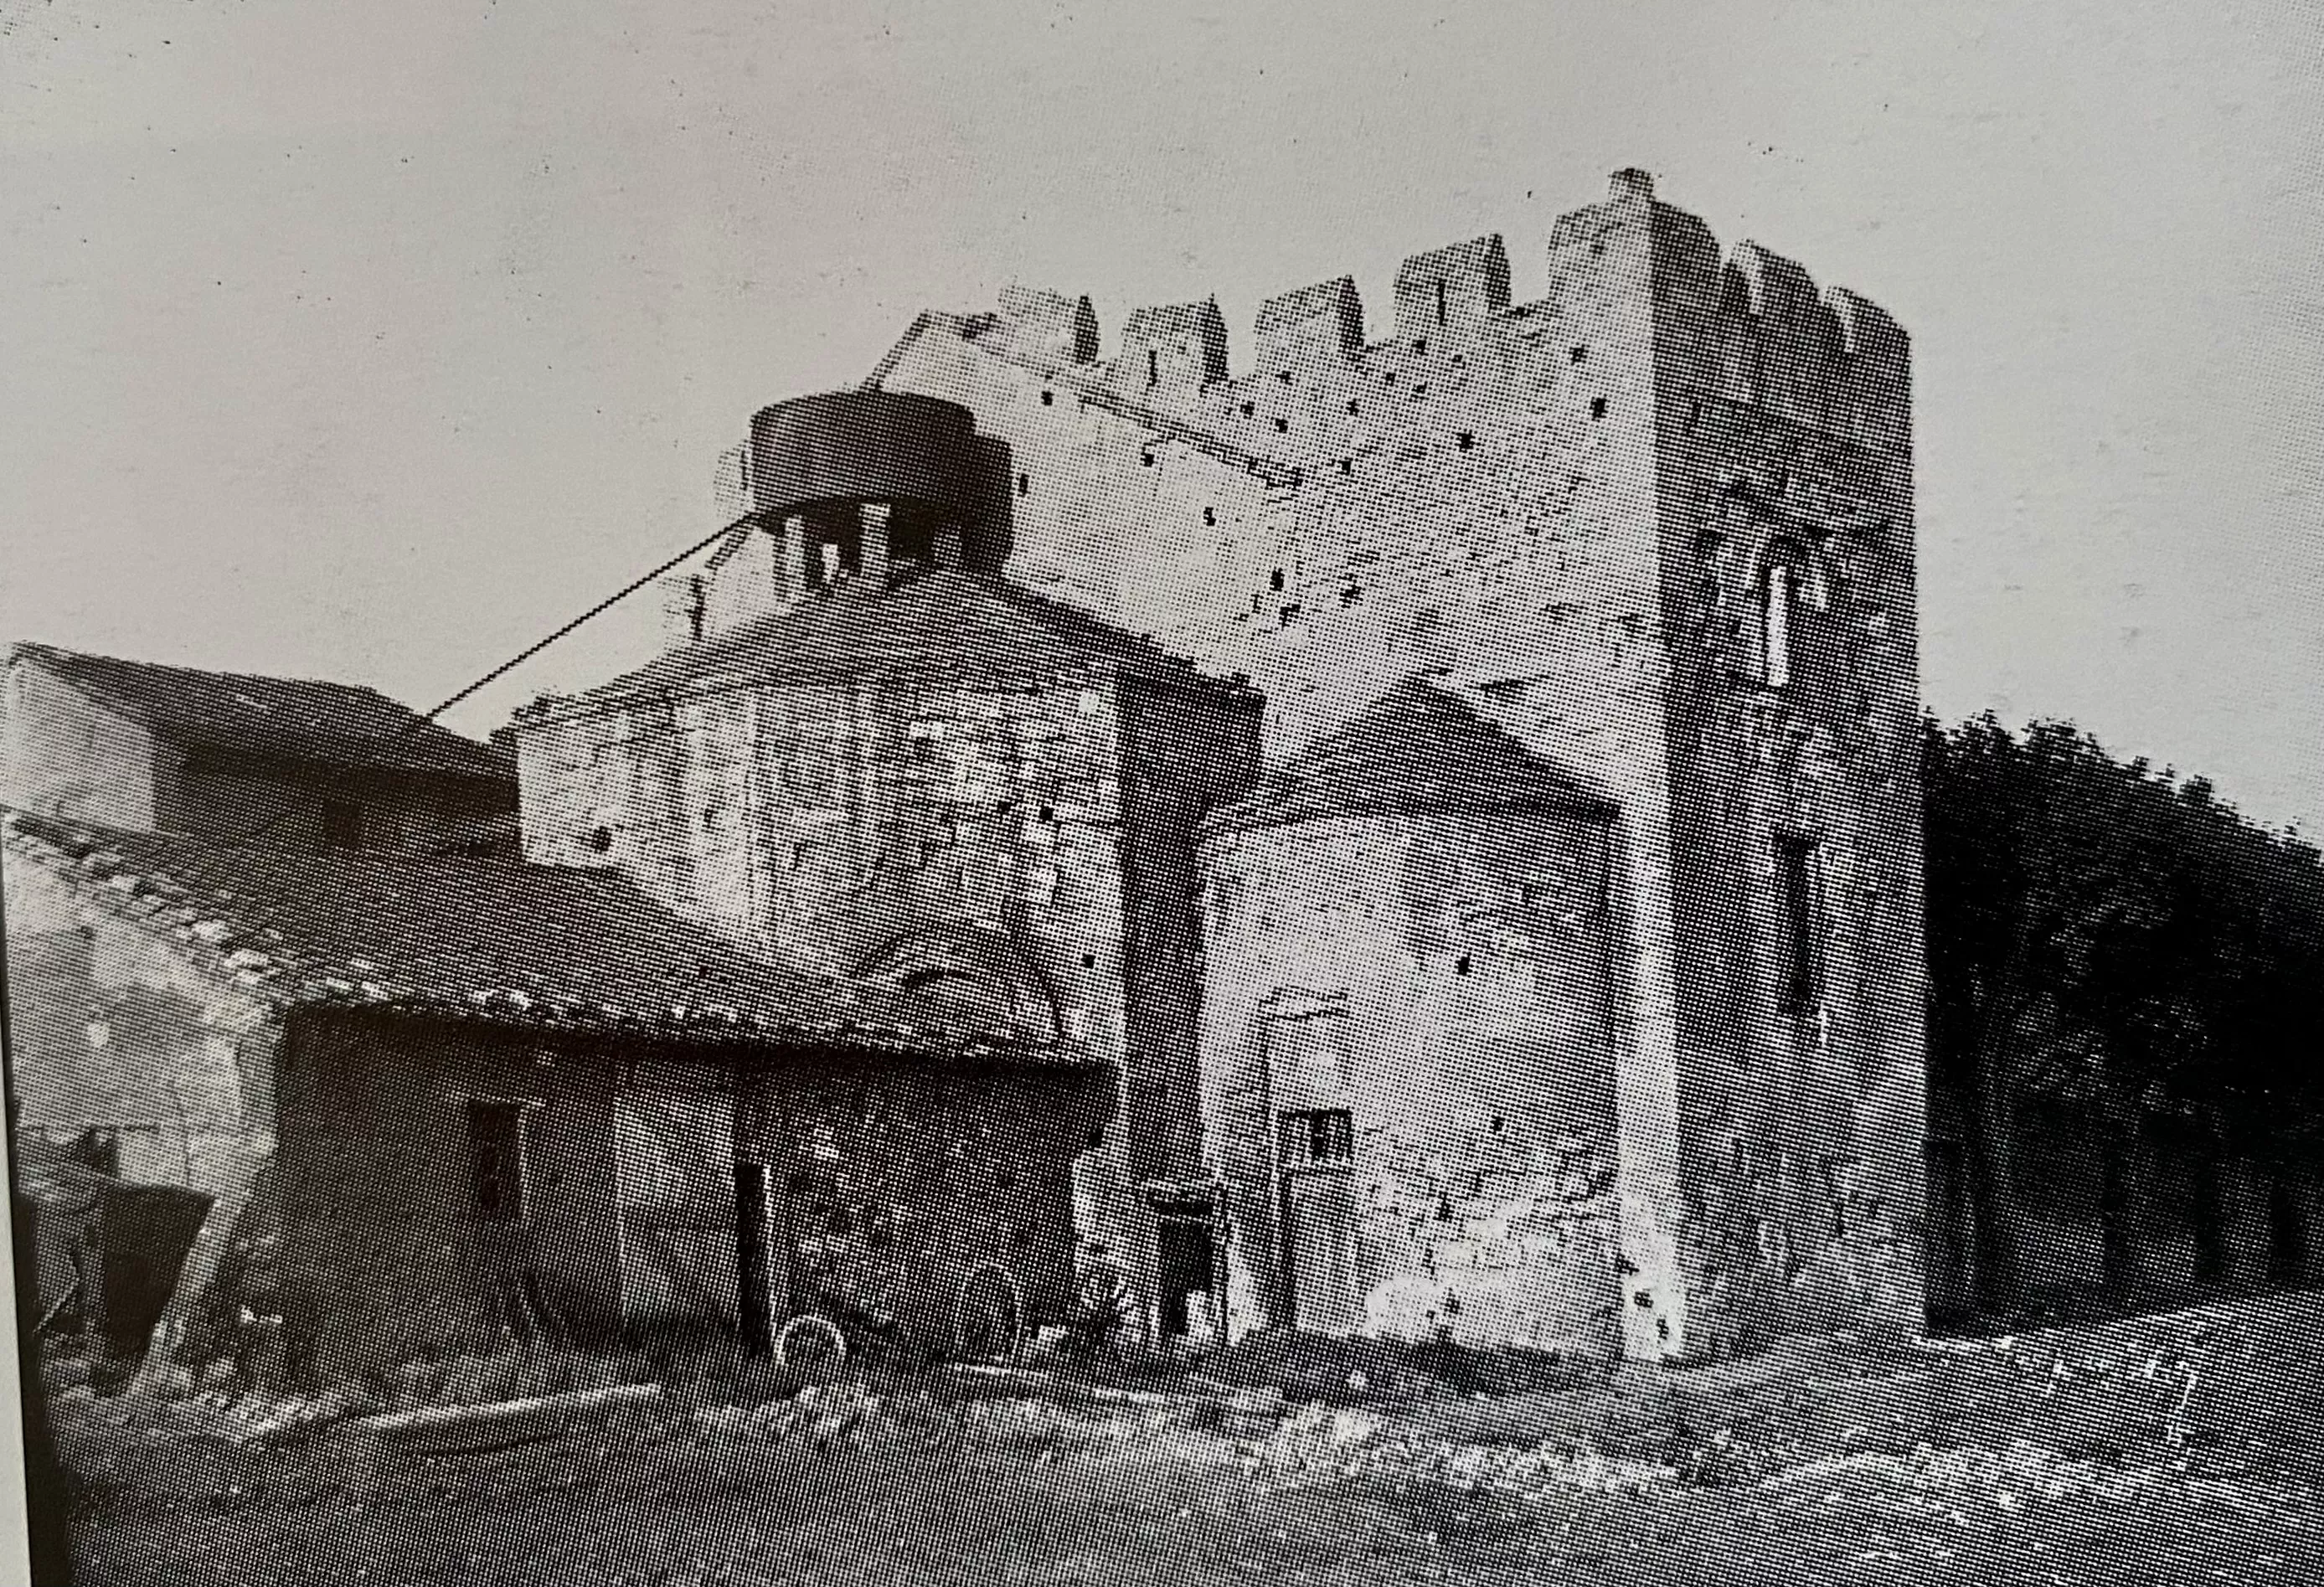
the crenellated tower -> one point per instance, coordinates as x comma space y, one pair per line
1652, 528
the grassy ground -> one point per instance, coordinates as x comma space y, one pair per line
2187, 1448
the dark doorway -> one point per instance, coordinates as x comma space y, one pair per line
1183, 1252
140, 1238
1949, 1231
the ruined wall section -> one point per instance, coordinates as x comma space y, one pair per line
1784, 433
110, 1029
1444, 980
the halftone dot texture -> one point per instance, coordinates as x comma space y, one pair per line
1322, 876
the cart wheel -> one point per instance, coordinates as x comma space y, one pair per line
813, 1347
1108, 1318
988, 1316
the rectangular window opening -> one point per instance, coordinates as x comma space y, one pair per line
496, 1161
1796, 860
1318, 1138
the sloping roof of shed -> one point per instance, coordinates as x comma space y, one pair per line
524, 944
298, 718
1417, 750
938, 625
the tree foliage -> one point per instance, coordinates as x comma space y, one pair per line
2117, 938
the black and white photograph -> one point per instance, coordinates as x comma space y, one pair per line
803, 794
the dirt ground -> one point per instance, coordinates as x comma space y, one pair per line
2185, 1448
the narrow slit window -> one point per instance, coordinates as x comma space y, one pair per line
1796, 863
1440, 302
1153, 367
1782, 593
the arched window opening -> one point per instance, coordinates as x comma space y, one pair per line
966, 978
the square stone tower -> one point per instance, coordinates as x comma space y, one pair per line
1655, 526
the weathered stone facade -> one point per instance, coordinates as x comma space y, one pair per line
887, 1182
1592, 516
868, 793
1569, 508
1463, 1029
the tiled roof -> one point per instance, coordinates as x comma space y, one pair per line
302, 719
1415, 751
937, 625
524, 945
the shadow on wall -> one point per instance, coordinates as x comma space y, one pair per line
994, 535
2175, 1220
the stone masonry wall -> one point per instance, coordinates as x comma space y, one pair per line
67, 755
897, 1181
1443, 979
899, 1178
1473, 498
110, 1029
1784, 419
821, 823
1510, 497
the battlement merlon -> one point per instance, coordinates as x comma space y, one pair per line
1751, 323
1172, 347
1061, 327
1446, 289
1325, 322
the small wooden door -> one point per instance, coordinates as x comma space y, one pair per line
1319, 1218
674, 1151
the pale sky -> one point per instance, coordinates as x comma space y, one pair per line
372, 341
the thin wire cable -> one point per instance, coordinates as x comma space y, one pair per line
502, 670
